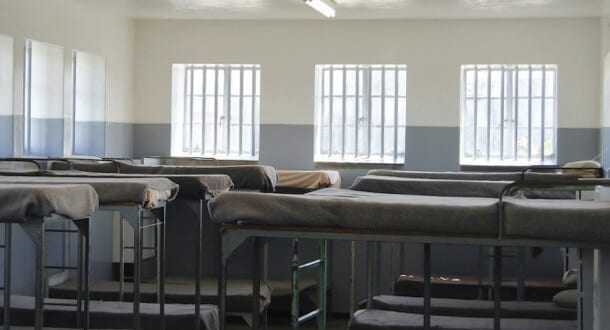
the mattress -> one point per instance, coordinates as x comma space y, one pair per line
192, 186
308, 179
19, 201
565, 220
474, 308
372, 319
485, 176
341, 208
113, 315
425, 186
148, 192
253, 177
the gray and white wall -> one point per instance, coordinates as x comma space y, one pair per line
432, 49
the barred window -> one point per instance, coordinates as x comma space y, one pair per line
215, 110
89, 104
508, 114
360, 113
43, 129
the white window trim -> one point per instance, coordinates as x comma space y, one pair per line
507, 102
224, 120
363, 106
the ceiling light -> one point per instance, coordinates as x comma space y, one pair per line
325, 7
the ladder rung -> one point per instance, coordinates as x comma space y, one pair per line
61, 267
309, 316
312, 264
61, 230
151, 225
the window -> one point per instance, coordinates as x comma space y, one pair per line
6, 96
508, 114
43, 99
215, 110
360, 113
89, 104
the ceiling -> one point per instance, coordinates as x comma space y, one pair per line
349, 9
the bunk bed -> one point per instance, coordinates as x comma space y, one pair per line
349, 215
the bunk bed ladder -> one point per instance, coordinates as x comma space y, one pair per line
322, 265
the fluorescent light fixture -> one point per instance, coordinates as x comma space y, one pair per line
325, 7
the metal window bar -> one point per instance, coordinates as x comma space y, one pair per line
227, 109
529, 114
475, 108
191, 103
204, 111
241, 110
255, 72
369, 89
396, 125
215, 109
27, 99
382, 102
344, 132
502, 103
330, 110
516, 109
542, 115
359, 115
488, 149
73, 76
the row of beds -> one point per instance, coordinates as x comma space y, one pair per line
80, 190
446, 208
528, 209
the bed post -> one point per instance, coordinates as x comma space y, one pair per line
294, 310
256, 281
322, 279
427, 285
7, 274
497, 285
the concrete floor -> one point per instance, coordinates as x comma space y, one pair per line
281, 322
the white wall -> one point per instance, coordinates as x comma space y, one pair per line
432, 49
66, 24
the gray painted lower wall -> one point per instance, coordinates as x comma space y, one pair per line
605, 147
427, 148
89, 138
46, 138
119, 140
6, 136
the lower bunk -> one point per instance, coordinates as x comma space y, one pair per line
375, 319
111, 315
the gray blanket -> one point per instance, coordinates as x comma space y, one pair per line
148, 192
565, 220
434, 187
19, 201
192, 186
475, 308
253, 177
388, 320
341, 208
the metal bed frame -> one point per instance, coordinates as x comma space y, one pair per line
34, 227
233, 235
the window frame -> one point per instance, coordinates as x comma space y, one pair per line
363, 95
509, 100
222, 96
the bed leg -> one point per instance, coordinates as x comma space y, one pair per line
256, 281
352, 280
161, 274
198, 250
427, 285
322, 279
222, 286
7, 274
294, 310
521, 273
369, 275
497, 286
